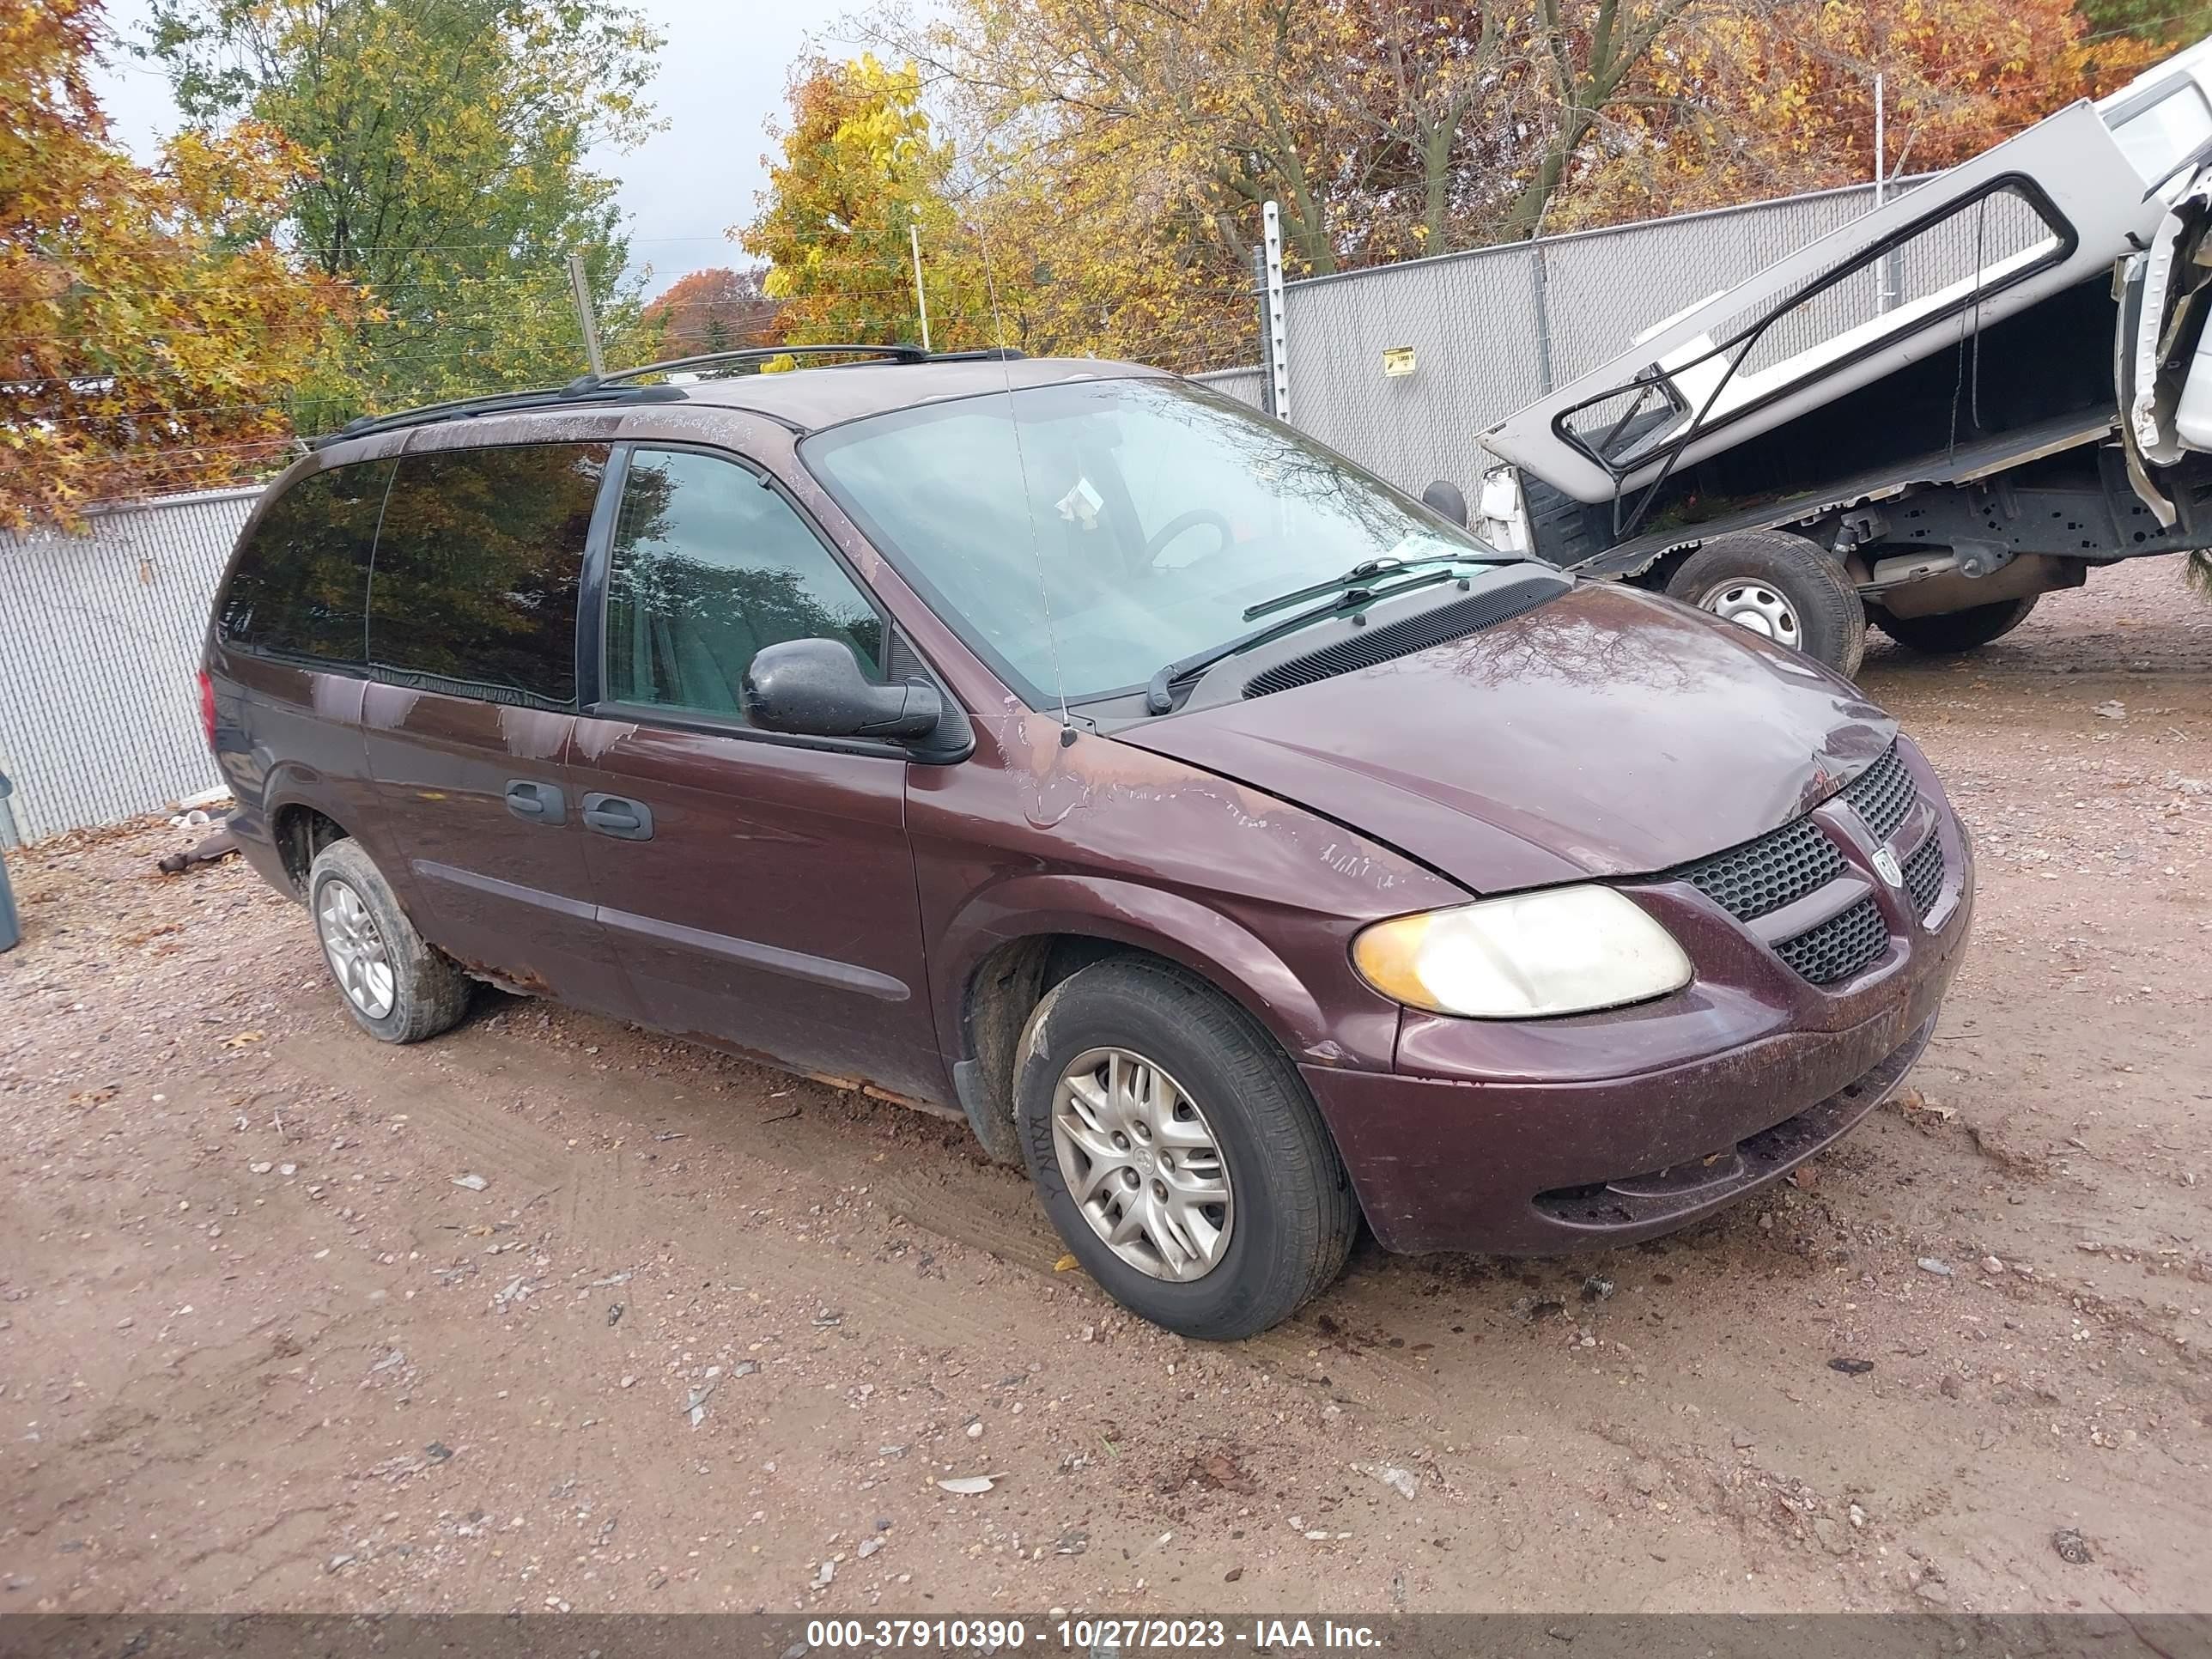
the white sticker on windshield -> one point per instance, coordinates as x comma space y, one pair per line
1081, 504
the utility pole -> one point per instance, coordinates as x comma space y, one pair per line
920, 299
581, 287
1278, 341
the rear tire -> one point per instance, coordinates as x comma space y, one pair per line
1239, 1120
396, 985
1781, 586
1954, 631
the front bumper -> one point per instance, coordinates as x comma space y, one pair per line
1546, 1136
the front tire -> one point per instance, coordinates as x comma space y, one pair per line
1178, 1152
1781, 586
1954, 631
395, 985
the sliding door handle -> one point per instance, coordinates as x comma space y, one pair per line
618, 816
535, 802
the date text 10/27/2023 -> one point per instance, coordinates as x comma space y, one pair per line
1092, 1635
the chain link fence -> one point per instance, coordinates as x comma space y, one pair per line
99, 639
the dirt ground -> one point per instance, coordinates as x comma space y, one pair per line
259, 1349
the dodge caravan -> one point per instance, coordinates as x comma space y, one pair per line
1241, 845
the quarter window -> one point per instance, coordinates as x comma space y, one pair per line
301, 581
709, 564
476, 570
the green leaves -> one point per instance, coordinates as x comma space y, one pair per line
445, 184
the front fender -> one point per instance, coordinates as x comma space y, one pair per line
1212, 944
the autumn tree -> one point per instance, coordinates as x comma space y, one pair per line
1766, 99
448, 141
860, 163
150, 328
718, 310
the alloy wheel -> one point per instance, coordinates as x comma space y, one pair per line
1143, 1165
355, 950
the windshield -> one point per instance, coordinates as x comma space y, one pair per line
1155, 513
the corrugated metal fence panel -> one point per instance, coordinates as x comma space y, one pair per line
1246, 385
99, 639
1470, 323
1496, 328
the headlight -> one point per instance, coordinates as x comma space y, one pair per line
1567, 950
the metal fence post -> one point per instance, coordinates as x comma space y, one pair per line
1543, 297
1278, 367
11, 930
579, 284
1267, 330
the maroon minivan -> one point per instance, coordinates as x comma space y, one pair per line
1235, 841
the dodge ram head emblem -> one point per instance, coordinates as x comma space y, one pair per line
1885, 867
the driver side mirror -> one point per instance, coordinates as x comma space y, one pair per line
815, 688
1444, 499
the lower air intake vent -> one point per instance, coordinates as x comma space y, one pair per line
1441, 626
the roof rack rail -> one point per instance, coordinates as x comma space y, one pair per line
493, 404
900, 352
619, 387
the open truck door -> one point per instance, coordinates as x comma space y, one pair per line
1920, 419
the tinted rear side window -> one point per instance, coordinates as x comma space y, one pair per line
302, 581
477, 567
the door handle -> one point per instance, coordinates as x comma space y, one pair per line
618, 816
537, 802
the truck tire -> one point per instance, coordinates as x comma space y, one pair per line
1957, 630
1781, 586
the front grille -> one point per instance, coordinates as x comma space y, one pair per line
1762, 876
1882, 795
1839, 946
1765, 874
1441, 626
1923, 875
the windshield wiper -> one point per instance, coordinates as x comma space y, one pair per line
1365, 570
1158, 694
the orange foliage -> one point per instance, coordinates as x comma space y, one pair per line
1748, 102
718, 310
149, 326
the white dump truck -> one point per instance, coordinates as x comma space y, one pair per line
1961, 401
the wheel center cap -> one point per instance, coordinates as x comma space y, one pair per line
1143, 1158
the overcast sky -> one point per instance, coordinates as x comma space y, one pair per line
721, 79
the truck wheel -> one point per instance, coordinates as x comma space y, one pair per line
395, 985
1781, 586
1957, 630
1178, 1152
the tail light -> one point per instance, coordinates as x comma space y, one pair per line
207, 708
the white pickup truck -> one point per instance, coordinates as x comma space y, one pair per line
1959, 402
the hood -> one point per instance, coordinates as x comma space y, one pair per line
1606, 733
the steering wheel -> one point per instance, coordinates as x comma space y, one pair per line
1183, 521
